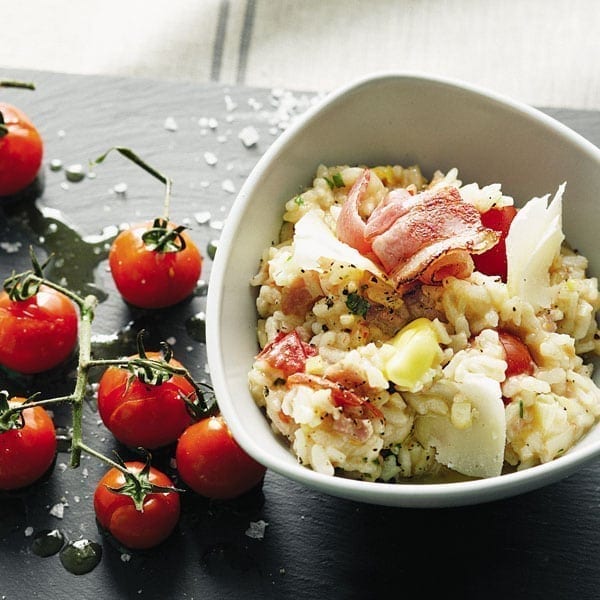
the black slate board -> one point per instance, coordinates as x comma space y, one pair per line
540, 545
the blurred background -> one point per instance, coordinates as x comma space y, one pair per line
542, 52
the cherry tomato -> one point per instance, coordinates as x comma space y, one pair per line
21, 150
288, 352
39, 333
117, 513
28, 452
152, 278
493, 261
143, 414
213, 464
518, 357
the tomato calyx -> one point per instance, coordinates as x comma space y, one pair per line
9, 417
9, 83
156, 371
162, 238
3, 128
151, 371
138, 485
23, 286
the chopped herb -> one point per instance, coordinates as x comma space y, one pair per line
336, 181
299, 200
357, 305
520, 409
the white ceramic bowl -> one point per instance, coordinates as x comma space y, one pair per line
402, 119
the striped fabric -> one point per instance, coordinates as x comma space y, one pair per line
539, 51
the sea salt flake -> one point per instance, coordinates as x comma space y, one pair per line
120, 189
210, 158
229, 103
249, 136
170, 124
10, 248
125, 557
256, 529
228, 186
28, 531
202, 217
255, 104
58, 510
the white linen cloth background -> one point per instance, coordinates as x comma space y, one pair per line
542, 52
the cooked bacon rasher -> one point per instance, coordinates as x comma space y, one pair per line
422, 237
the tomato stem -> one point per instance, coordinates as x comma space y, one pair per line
133, 157
9, 83
25, 285
21, 286
85, 354
89, 450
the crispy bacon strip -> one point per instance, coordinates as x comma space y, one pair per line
288, 353
350, 227
352, 404
425, 237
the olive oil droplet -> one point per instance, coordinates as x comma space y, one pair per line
211, 248
81, 556
196, 327
47, 542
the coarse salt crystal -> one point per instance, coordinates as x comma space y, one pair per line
256, 529
229, 103
228, 186
170, 124
10, 248
202, 217
249, 136
210, 158
58, 510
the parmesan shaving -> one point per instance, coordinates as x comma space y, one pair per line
314, 240
533, 242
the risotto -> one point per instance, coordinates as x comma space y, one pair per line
423, 329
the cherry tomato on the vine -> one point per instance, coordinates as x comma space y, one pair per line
144, 414
21, 150
518, 357
27, 452
150, 273
212, 463
117, 513
493, 261
39, 333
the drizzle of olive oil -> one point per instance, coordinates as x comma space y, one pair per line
75, 257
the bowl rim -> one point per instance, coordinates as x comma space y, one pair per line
391, 494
